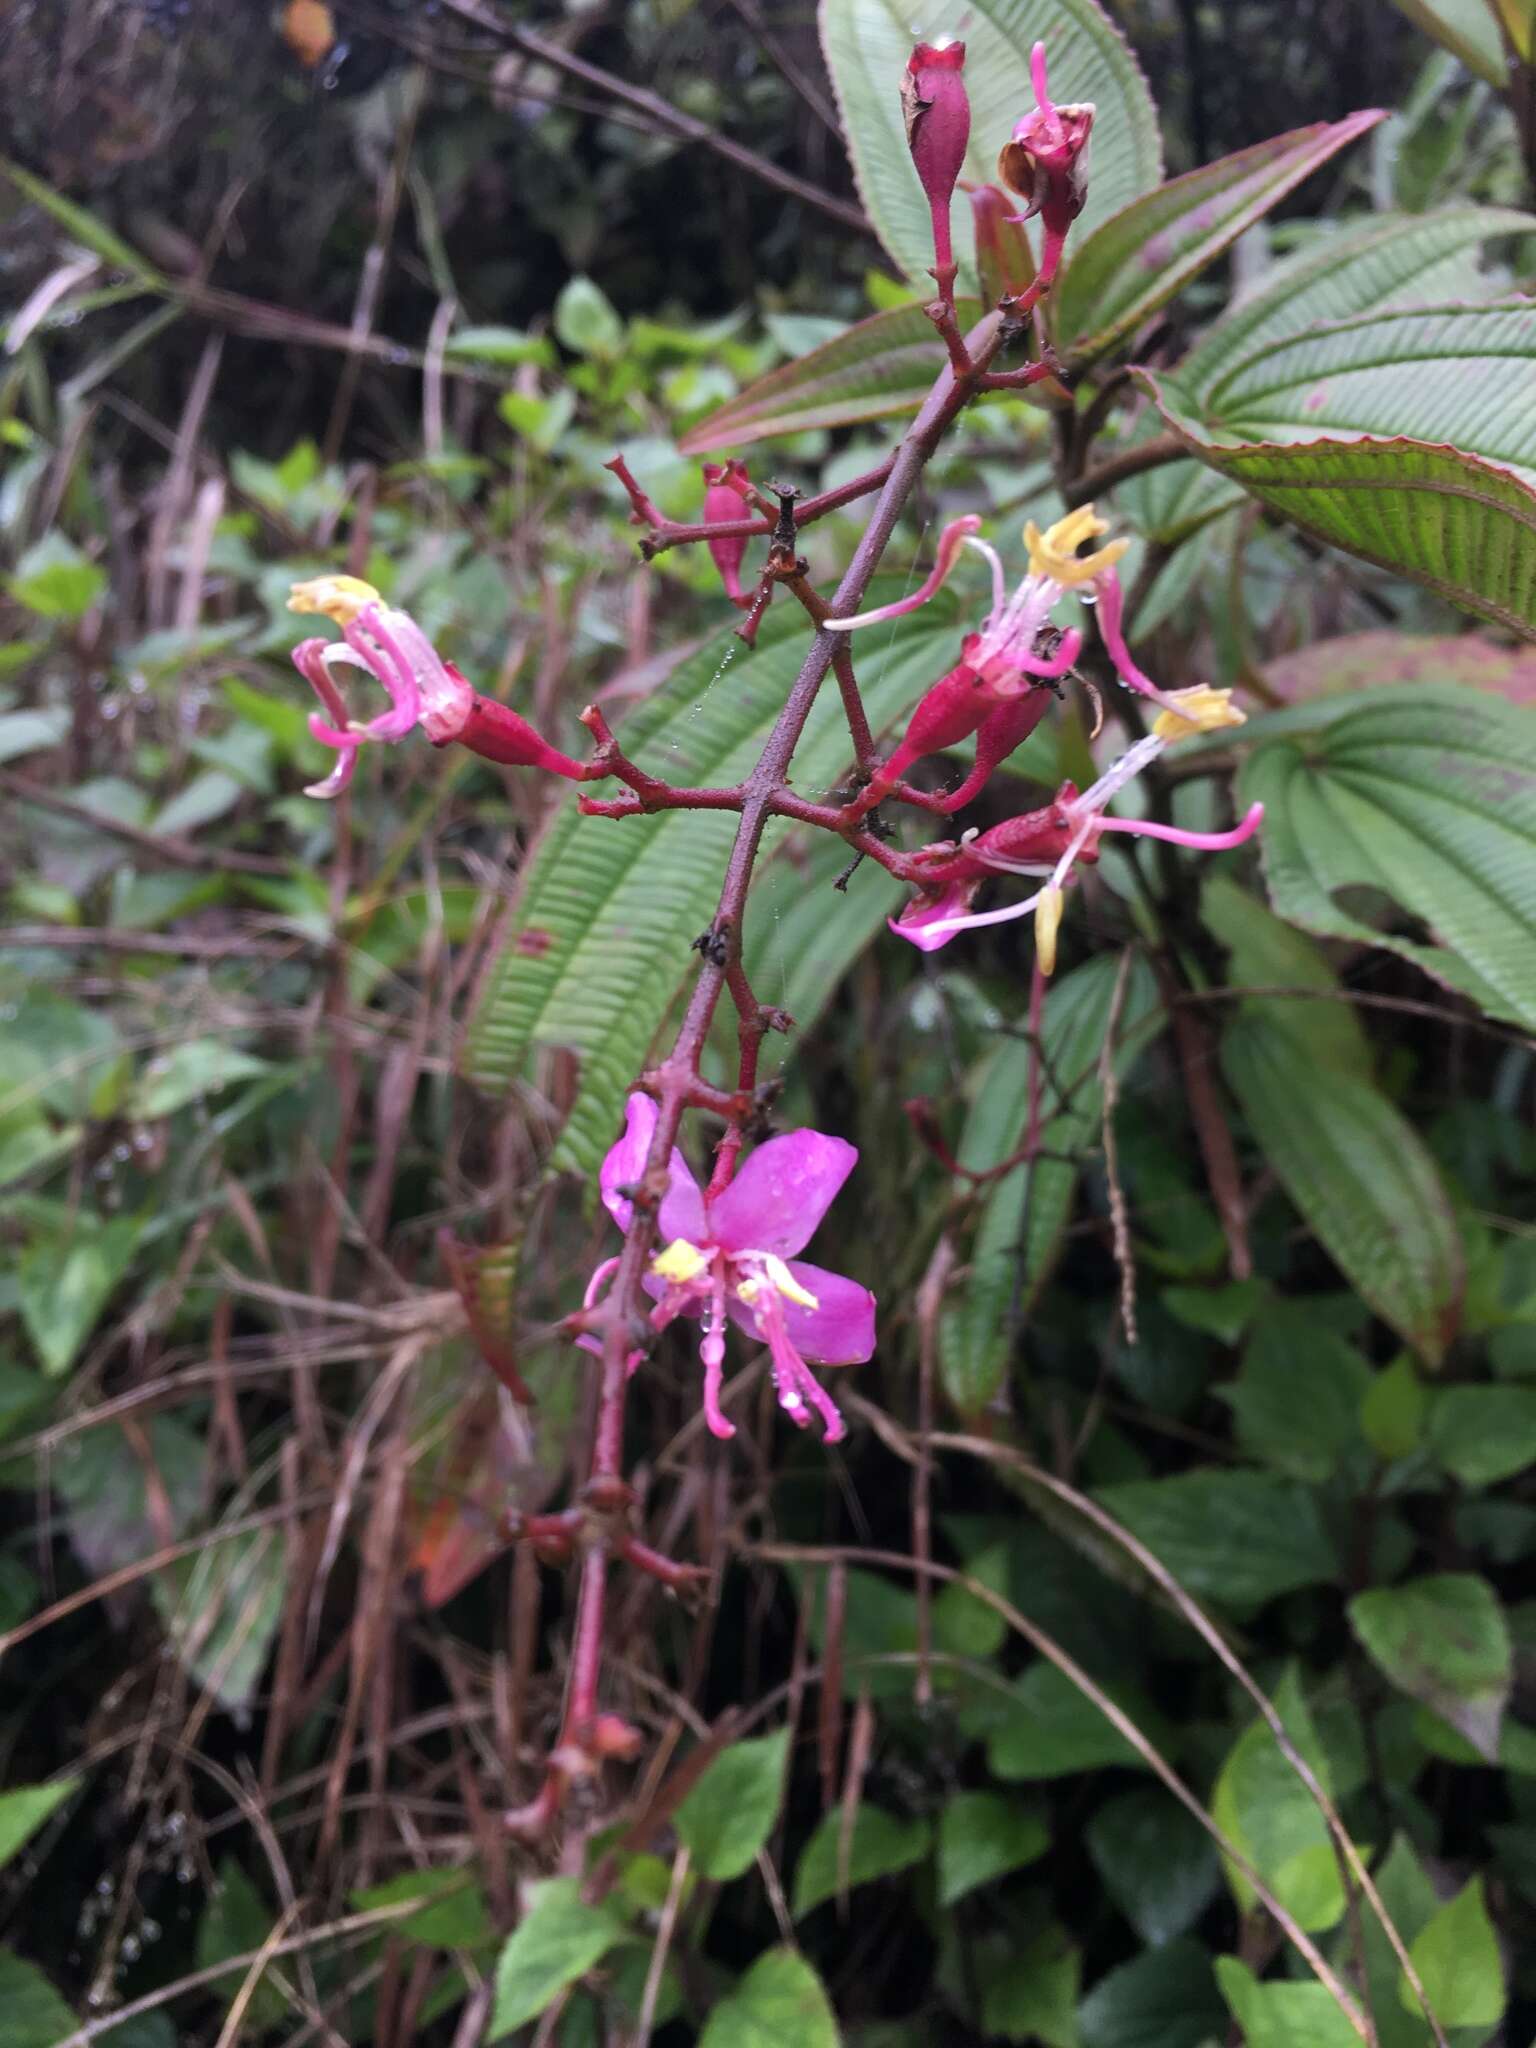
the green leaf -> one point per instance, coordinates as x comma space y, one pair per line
1296, 1402
1359, 1174
978, 1329
1165, 1999
497, 345
64, 1283
867, 44
1483, 1434
1427, 794
237, 1920
28, 732
35, 2015
1392, 1412
1445, 1642
453, 1909
1239, 1538
729, 1814
558, 1940
81, 225
55, 580
222, 1609
24, 1809
881, 1845
1029, 1991
802, 937
1264, 952
1053, 1731
982, 1836
585, 321
1469, 29
190, 1072
1374, 435
1347, 270
779, 2003
882, 366
1283, 2015
599, 942
1267, 1813
1457, 1958
1156, 1861
1147, 252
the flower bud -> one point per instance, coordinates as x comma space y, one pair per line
938, 117
728, 496
1046, 163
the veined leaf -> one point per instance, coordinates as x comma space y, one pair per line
1445, 1641
1428, 794
1352, 270
1444, 518
1370, 661
1013, 1250
1467, 28
1359, 1174
867, 44
598, 945
881, 366
1151, 249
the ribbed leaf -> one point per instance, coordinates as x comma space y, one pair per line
1151, 249
1351, 270
867, 44
1428, 794
1447, 519
1467, 28
1359, 1174
1011, 1251
598, 945
882, 366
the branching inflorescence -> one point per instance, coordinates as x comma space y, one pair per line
727, 1252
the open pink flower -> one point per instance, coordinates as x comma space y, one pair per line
1046, 163
733, 1256
1053, 841
422, 688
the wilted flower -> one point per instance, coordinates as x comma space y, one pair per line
938, 117
423, 689
732, 1255
994, 690
1051, 842
1046, 163
728, 495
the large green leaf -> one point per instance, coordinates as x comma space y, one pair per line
779, 2003
1012, 1251
558, 1940
1427, 794
1469, 29
598, 944
879, 1845
867, 44
1407, 438
1358, 1172
1445, 1641
881, 366
729, 1814
1267, 1813
1344, 272
1151, 249
1240, 1538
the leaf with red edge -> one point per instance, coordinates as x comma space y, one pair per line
1151, 249
1363, 661
880, 366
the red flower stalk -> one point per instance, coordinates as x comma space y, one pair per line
726, 490
1046, 163
938, 117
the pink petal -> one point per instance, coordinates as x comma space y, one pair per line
779, 1197
951, 540
841, 1330
682, 1207
377, 648
928, 921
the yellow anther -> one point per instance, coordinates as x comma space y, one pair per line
786, 1282
680, 1262
1200, 709
337, 597
1054, 552
1047, 924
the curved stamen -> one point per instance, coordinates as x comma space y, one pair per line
950, 543
999, 580
1204, 842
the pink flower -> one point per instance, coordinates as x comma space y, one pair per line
422, 688
732, 1255
1052, 842
1046, 163
728, 495
938, 118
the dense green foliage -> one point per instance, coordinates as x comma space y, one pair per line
1154, 1665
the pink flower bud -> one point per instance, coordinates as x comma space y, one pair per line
1003, 255
1046, 163
938, 117
497, 733
728, 496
